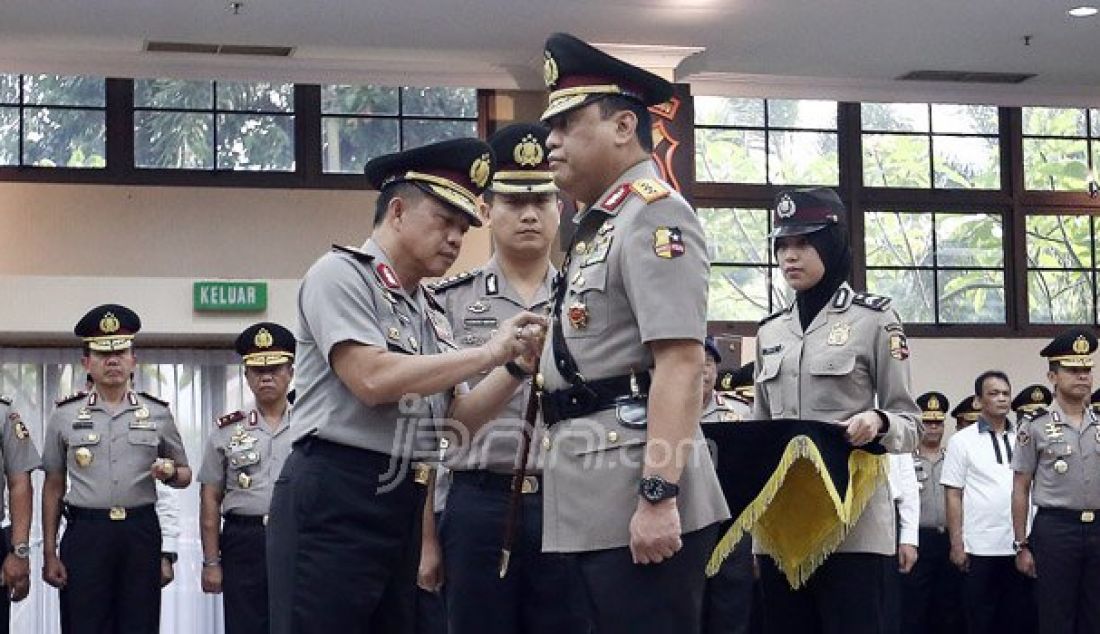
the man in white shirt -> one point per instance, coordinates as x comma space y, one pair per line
977, 477
902, 480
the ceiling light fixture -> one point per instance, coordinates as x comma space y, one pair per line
1084, 11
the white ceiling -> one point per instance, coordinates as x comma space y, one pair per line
829, 48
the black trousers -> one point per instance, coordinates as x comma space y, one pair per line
343, 543
999, 600
845, 595
729, 594
5, 602
627, 598
244, 581
1067, 561
113, 573
540, 593
932, 591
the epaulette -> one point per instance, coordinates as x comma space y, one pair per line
774, 315
874, 302
650, 189
230, 418
5, 400
434, 303
155, 399
453, 281
355, 253
76, 396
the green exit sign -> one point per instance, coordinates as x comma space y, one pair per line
223, 296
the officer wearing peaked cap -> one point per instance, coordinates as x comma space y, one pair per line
376, 374
1029, 400
833, 355
966, 413
738, 383
617, 446
1057, 465
103, 452
243, 455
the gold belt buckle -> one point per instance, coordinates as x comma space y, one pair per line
421, 473
530, 485
117, 513
1088, 517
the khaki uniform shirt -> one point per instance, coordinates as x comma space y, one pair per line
933, 507
1064, 461
243, 457
638, 274
354, 296
18, 452
108, 456
476, 304
851, 359
726, 409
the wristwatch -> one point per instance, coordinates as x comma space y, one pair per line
655, 488
171, 557
515, 370
1018, 546
22, 551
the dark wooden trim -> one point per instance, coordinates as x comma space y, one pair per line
308, 162
486, 125
119, 130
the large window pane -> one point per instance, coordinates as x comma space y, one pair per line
63, 90
1059, 242
964, 119
348, 143
255, 96
1055, 122
1060, 297
417, 132
971, 296
969, 240
362, 100
439, 102
177, 140
802, 113
738, 293
9, 136
967, 162
894, 117
255, 142
1055, 164
803, 158
898, 239
895, 161
56, 137
727, 111
1094, 116
736, 235
730, 156
913, 292
9, 88
174, 93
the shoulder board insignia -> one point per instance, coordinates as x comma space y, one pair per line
774, 315
432, 301
453, 281
874, 302
649, 189
354, 252
230, 418
616, 197
5, 400
70, 398
155, 399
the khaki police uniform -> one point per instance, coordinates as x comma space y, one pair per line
18, 455
112, 541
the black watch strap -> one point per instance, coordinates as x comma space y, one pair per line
516, 371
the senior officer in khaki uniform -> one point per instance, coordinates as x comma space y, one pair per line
376, 375
18, 458
1057, 465
630, 486
522, 210
111, 445
833, 355
240, 462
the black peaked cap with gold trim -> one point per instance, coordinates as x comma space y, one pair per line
108, 328
967, 409
266, 343
456, 172
577, 74
1032, 398
933, 406
801, 211
1071, 349
523, 161
739, 381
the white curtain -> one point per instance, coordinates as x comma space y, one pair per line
201, 385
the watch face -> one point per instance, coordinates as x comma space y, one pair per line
653, 488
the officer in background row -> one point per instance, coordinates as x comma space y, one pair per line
931, 592
727, 607
18, 458
1057, 465
107, 448
240, 462
738, 384
376, 375
1031, 399
630, 487
966, 413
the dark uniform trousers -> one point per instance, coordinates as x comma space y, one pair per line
113, 571
5, 603
244, 569
999, 600
729, 595
826, 604
343, 542
932, 591
627, 598
1067, 561
540, 593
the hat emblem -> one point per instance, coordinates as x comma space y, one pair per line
480, 169
1081, 345
528, 152
109, 324
934, 404
549, 70
1036, 396
786, 207
263, 339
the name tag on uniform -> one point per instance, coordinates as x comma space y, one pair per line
142, 423
82, 424
771, 350
480, 322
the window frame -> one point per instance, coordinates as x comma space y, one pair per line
22, 106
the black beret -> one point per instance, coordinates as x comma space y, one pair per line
1071, 349
577, 74
108, 328
933, 406
455, 171
1031, 398
266, 343
522, 160
802, 211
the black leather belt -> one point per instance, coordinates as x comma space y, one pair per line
497, 481
591, 396
246, 520
114, 514
1084, 517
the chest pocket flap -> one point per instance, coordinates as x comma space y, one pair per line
143, 437
245, 458
833, 365
85, 439
585, 313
